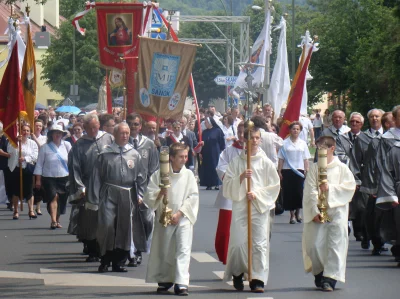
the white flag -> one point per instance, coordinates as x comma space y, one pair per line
280, 81
310, 47
261, 48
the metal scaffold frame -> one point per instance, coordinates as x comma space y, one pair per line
243, 51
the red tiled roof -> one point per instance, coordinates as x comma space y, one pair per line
5, 12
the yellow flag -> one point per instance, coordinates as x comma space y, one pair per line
164, 70
28, 78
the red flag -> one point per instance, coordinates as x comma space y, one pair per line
292, 112
12, 104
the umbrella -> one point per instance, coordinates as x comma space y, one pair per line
40, 106
69, 109
90, 107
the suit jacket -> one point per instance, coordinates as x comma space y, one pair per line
192, 138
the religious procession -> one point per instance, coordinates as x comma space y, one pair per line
137, 189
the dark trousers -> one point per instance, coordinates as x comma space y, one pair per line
396, 248
117, 257
92, 247
372, 222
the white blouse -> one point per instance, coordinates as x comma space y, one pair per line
228, 133
296, 152
29, 152
48, 164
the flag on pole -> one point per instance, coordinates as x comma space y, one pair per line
28, 78
306, 40
261, 48
12, 103
292, 111
280, 81
164, 70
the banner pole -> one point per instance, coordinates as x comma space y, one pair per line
21, 180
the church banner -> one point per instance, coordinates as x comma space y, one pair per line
164, 70
118, 28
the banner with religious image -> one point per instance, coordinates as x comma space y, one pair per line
118, 28
164, 70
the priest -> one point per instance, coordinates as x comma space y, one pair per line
265, 185
325, 244
171, 246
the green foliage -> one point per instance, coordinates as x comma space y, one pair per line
69, 8
57, 63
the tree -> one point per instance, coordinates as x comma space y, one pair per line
57, 62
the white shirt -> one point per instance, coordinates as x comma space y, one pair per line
29, 152
48, 164
270, 144
317, 123
228, 133
307, 126
373, 131
296, 153
41, 139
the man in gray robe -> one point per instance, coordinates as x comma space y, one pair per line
150, 163
81, 163
361, 157
389, 183
116, 184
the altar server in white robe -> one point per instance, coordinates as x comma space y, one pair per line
325, 244
265, 185
172, 245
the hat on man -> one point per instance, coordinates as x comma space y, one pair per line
55, 128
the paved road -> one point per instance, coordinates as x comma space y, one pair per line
36, 262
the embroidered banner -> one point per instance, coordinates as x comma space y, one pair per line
164, 70
118, 28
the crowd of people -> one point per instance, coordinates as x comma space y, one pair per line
108, 170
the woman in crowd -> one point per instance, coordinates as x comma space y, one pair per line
214, 144
327, 120
52, 173
292, 168
77, 132
28, 159
40, 140
228, 130
317, 124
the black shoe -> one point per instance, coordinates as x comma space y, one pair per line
384, 249
119, 269
216, 188
163, 287
349, 229
181, 290
256, 286
318, 280
138, 258
326, 287
92, 259
365, 244
132, 262
208, 188
103, 268
9, 206
376, 251
238, 282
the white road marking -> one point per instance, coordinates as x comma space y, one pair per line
203, 257
53, 277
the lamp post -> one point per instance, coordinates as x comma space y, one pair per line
293, 43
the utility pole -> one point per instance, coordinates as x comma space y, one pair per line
293, 43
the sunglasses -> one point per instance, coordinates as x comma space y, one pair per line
134, 124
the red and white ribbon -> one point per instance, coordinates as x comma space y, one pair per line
80, 15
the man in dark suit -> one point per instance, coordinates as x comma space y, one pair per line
151, 133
